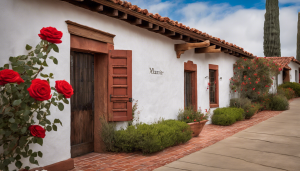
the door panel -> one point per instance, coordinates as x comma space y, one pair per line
82, 103
120, 85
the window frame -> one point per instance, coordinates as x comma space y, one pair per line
189, 66
216, 68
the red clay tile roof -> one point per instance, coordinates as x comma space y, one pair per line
284, 61
172, 22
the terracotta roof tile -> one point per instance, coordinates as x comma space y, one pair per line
284, 61
172, 22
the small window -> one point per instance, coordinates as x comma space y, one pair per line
296, 76
213, 86
188, 89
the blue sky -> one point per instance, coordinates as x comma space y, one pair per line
237, 21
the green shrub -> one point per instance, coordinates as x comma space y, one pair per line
245, 104
279, 103
292, 85
189, 115
150, 138
249, 111
240, 102
227, 116
289, 93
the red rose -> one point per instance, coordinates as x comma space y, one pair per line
188, 117
40, 90
195, 120
64, 88
248, 67
51, 35
10, 76
279, 69
253, 88
37, 131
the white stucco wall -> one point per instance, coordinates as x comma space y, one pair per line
159, 96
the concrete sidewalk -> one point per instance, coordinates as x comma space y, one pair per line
273, 145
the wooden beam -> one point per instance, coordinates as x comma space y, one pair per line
177, 36
136, 21
210, 49
98, 8
122, 16
186, 38
181, 48
193, 40
169, 33
161, 30
224, 50
146, 25
155, 27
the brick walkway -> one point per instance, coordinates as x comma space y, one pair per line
137, 161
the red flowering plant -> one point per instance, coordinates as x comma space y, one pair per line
25, 101
253, 77
190, 115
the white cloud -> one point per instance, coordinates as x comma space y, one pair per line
155, 6
243, 27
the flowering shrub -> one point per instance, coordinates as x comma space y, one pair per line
189, 115
25, 101
253, 77
289, 93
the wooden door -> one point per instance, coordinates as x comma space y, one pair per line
82, 103
120, 85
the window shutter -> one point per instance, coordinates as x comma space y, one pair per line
120, 85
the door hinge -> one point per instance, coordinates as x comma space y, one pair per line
110, 98
130, 99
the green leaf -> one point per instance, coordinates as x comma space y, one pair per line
57, 121
51, 57
18, 157
17, 63
6, 66
54, 127
18, 164
12, 59
55, 61
55, 47
14, 127
44, 63
23, 130
49, 128
44, 75
40, 55
23, 57
23, 141
31, 159
11, 120
40, 141
60, 106
17, 102
40, 154
2, 132
66, 101
34, 154
28, 47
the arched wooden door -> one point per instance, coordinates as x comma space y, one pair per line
82, 103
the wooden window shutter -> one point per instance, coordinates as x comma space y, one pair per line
120, 85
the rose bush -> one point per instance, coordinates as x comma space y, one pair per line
253, 77
25, 101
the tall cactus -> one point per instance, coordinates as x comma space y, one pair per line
298, 38
272, 30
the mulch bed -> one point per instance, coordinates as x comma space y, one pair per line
137, 161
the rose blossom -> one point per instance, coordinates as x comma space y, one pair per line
37, 131
40, 90
51, 34
10, 76
64, 88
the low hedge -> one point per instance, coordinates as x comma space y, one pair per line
292, 85
289, 93
279, 103
227, 116
149, 138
